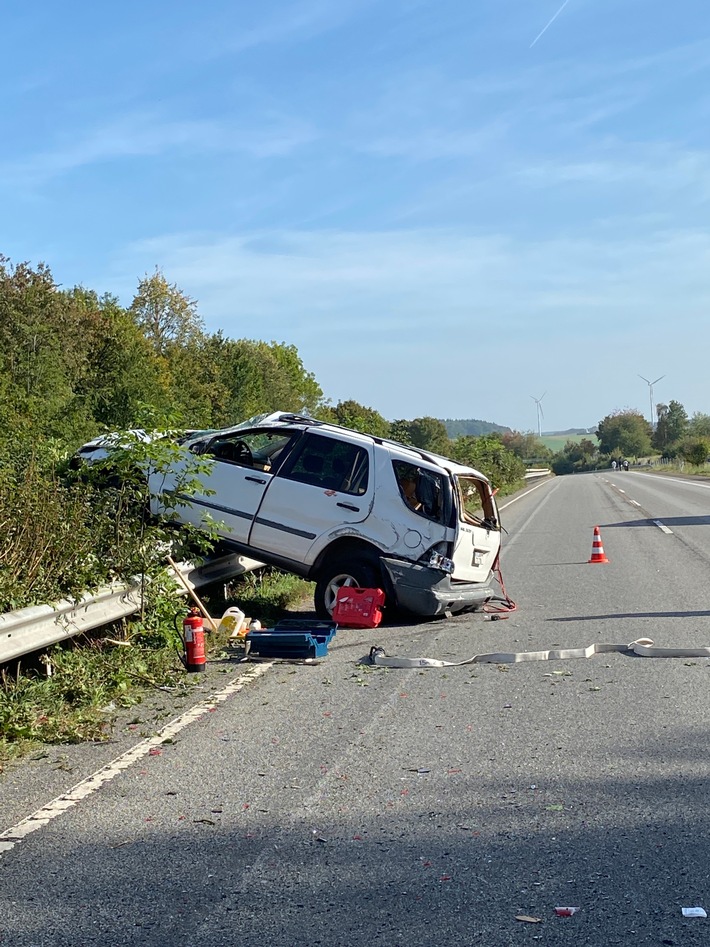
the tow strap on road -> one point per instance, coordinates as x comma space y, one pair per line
642, 648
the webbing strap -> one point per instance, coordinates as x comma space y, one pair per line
642, 647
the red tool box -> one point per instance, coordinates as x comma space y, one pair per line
358, 608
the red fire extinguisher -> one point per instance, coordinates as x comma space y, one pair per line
193, 637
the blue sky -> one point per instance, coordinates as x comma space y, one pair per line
450, 207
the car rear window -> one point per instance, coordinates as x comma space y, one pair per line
476, 504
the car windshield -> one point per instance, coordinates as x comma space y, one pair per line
250, 422
263, 450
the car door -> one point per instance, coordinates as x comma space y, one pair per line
325, 485
239, 468
477, 531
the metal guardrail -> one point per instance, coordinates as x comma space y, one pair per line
39, 626
535, 472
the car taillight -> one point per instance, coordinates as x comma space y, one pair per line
437, 557
437, 561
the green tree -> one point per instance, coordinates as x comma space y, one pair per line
258, 377
661, 436
123, 371
399, 431
426, 433
250, 377
489, 455
677, 421
46, 338
624, 432
526, 446
303, 392
164, 313
699, 425
200, 384
354, 415
696, 451
574, 456
672, 426
30, 352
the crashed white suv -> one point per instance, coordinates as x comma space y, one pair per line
344, 508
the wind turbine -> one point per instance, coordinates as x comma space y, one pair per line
540, 415
650, 393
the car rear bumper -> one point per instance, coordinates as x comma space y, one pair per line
424, 591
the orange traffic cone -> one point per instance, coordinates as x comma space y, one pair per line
597, 548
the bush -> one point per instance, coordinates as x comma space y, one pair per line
488, 454
696, 451
67, 533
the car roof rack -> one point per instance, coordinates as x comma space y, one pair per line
300, 419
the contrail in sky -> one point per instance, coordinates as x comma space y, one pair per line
549, 24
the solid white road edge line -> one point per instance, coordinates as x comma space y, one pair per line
14, 835
686, 483
515, 499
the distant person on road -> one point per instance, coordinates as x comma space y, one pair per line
613, 465
626, 465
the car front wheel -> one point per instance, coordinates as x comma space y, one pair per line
361, 571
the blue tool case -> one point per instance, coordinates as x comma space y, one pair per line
294, 638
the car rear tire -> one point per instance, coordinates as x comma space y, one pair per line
358, 570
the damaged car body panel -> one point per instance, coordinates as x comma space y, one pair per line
425, 591
344, 508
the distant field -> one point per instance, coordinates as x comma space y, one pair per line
556, 442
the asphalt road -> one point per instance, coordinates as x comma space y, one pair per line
342, 805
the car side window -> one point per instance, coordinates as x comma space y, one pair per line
422, 490
260, 450
331, 465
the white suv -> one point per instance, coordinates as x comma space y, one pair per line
344, 508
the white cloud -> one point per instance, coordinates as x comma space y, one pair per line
144, 134
443, 111
433, 143
277, 274
658, 167
297, 23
